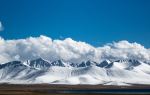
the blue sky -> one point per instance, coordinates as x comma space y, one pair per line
94, 21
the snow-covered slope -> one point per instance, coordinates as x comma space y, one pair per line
120, 72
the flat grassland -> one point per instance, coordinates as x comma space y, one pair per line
54, 89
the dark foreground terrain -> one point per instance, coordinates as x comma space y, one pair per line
47, 89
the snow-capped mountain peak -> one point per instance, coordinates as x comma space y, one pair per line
38, 63
125, 64
104, 63
87, 63
11, 64
59, 63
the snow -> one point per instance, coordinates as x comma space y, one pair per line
121, 72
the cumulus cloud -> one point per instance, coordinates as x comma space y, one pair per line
1, 26
68, 50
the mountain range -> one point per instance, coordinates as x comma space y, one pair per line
107, 72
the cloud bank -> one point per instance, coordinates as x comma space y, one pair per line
69, 50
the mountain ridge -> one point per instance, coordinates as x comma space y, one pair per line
120, 72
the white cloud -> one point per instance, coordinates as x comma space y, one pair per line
68, 50
1, 26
